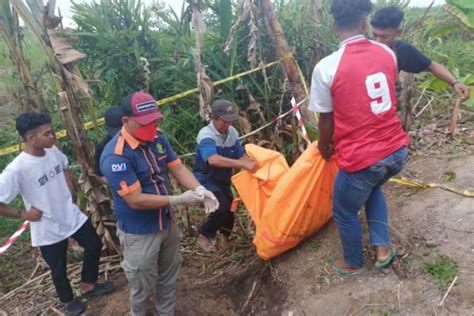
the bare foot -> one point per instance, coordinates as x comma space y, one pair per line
341, 268
86, 287
205, 244
342, 265
383, 252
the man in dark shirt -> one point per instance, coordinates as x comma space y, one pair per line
113, 124
386, 28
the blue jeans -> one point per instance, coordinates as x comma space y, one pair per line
351, 192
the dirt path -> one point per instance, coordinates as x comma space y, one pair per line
424, 225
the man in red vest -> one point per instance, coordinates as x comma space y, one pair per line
354, 91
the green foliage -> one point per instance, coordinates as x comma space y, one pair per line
463, 10
463, 4
226, 17
9, 225
449, 176
438, 36
443, 271
398, 3
308, 28
315, 244
408, 260
14, 263
16, 267
115, 35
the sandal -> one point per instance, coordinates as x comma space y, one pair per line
386, 262
74, 308
98, 289
342, 273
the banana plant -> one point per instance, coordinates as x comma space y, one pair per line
71, 96
463, 11
31, 98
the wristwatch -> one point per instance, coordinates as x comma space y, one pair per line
18, 214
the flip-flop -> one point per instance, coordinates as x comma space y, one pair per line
342, 273
386, 262
98, 289
74, 308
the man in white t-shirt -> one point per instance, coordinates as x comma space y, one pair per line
41, 175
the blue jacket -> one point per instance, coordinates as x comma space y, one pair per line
211, 142
130, 165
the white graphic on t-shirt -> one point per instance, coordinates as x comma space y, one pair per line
49, 175
41, 183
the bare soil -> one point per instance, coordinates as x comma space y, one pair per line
425, 224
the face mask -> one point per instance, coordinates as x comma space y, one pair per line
146, 133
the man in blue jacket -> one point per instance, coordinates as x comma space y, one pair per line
136, 163
218, 151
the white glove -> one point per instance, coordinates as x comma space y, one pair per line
187, 198
211, 204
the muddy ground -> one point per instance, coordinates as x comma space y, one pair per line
425, 225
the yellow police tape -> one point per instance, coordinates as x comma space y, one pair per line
59, 134
219, 82
88, 125
421, 185
101, 121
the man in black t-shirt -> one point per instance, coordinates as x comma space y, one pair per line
113, 124
386, 28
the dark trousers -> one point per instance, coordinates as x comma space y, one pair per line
55, 256
222, 219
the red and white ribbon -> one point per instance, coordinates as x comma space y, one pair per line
14, 237
296, 111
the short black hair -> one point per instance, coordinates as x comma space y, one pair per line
387, 18
348, 13
30, 121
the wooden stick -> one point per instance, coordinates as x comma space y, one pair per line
12, 292
424, 108
58, 312
72, 269
34, 271
454, 118
241, 226
218, 275
447, 292
106, 272
419, 100
254, 285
